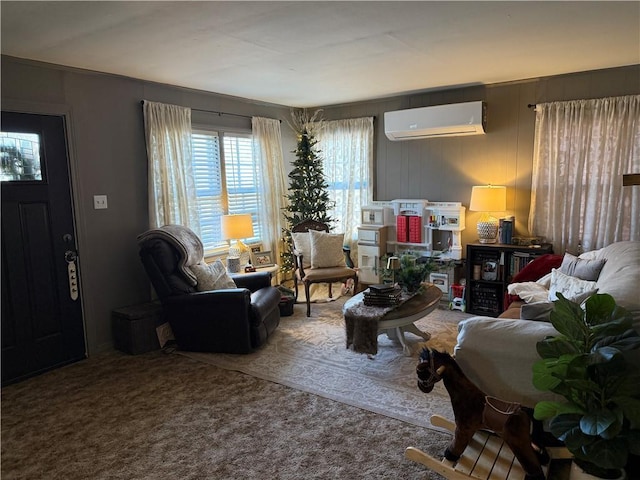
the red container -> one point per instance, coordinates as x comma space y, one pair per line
402, 228
457, 291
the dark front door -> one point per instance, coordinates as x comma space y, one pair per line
42, 325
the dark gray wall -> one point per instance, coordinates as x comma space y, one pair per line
445, 169
108, 156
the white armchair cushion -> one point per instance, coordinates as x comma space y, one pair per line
326, 249
302, 244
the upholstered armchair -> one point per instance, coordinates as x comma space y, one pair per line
320, 257
207, 309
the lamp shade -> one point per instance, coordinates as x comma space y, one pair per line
488, 198
236, 226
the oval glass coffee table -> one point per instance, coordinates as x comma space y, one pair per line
400, 319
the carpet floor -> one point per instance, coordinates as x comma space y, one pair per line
310, 354
167, 416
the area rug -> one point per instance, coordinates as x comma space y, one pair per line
319, 292
310, 354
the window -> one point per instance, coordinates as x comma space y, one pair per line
582, 148
227, 182
20, 156
347, 151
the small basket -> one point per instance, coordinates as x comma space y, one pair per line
457, 291
287, 300
286, 306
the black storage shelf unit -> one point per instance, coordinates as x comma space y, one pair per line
490, 268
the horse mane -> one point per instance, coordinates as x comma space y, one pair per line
443, 357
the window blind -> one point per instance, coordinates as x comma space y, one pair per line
227, 180
208, 179
242, 179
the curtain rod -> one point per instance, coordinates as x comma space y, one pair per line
214, 112
220, 113
531, 105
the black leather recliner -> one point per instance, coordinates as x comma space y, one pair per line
233, 320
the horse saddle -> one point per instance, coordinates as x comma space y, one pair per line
497, 412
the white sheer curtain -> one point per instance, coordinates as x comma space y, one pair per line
172, 191
267, 150
346, 147
582, 148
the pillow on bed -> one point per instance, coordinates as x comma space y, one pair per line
581, 268
572, 288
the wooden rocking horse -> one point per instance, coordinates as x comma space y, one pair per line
475, 414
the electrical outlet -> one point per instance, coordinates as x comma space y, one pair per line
99, 202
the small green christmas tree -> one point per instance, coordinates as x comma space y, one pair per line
308, 197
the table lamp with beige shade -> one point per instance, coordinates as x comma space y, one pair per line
237, 227
488, 199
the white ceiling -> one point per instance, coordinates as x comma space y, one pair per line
305, 54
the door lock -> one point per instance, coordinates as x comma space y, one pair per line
70, 257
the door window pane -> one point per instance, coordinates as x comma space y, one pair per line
20, 157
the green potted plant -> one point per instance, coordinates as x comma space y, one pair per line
412, 271
587, 364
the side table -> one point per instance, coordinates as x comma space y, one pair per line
395, 322
273, 269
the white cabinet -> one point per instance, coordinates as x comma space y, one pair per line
380, 213
372, 245
369, 264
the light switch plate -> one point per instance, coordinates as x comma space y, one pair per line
99, 202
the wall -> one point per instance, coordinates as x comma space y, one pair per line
108, 156
445, 169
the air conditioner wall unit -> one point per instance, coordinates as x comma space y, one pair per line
452, 120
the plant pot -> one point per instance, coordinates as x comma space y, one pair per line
577, 473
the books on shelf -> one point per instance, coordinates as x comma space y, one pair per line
506, 230
518, 261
